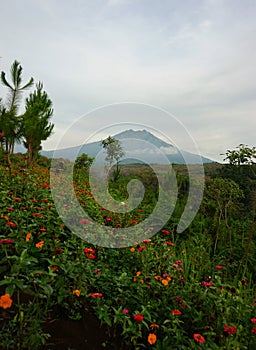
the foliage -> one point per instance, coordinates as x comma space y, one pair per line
83, 161
10, 122
168, 292
31, 127
35, 121
114, 154
242, 155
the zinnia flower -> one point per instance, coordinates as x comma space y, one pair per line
28, 236
6, 241
5, 301
219, 267
138, 317
96, 295
230, 330
165, 282
125, 311
198, 338
11, 224
77, 292
176, 312
152, 338
40, 244
154, 325
207, 284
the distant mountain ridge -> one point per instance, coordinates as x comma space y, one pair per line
143, 144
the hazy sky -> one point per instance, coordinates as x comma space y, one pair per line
194, 58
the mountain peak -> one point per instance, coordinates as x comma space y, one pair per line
142, 135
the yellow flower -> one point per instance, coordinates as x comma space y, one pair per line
77, 292
5, 301
40, 244
152, 338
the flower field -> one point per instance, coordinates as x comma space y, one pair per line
168, 292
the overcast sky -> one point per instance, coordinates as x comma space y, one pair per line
196, 59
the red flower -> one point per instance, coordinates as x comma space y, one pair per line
176, 312
43, 229
198, 338
6, 241
46, 185
254, 330
16, 200
141, 248
219, 267
96, 295
89, 251
91, 256
253, 320
58, 250
207, 284
11, 224
166, 232
230, 329
138, 317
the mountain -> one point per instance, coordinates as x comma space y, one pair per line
139, 146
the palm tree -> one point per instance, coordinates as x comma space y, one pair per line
11, 124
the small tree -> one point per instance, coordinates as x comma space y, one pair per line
114, 154
83, 161
35, 121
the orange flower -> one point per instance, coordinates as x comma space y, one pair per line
165, 282
5, 301
198, 338
28, 236
152, 338
154, 325
138, 273
40, 244
77, 292
132, 249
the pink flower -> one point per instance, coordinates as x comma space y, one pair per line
125, 311
179, 262
6, 241
219, 267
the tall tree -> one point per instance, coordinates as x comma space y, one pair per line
11, 123
36, 126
